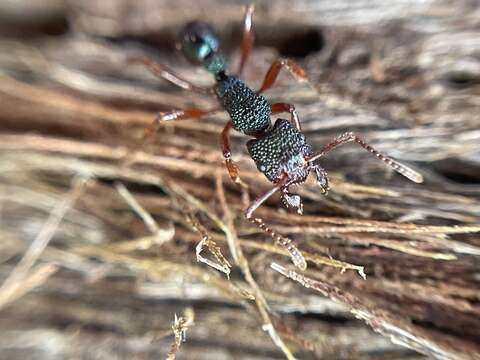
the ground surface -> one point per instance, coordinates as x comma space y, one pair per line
99, 258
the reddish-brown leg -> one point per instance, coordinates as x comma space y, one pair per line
227, 155
161, 117
174, 115
295, 254
275, 68
166, 73
284, 107
247, 39
351, 137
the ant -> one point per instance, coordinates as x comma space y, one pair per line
280, 151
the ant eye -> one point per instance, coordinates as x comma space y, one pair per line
197, 41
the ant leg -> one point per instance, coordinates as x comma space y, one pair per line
284, 107
295, 254
227, 155
150, 130
166, 73
274, 70
172, 116
350, 136
247, 39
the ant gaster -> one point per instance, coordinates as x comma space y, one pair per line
279, 151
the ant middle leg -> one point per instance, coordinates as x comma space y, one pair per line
351, 137
247, 39
297, 258
166, 73
279, 64
227, 155
284, 107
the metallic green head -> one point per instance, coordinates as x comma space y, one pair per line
199, 44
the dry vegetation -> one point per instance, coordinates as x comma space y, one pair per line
99, 258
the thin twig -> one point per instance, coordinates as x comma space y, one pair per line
179, 328
242, 262
11, 288
161, 235
399, 330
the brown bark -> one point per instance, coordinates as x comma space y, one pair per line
120, 266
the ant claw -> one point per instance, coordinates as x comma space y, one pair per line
322, 178
293, 201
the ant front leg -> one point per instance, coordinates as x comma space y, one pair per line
275, 68
247, 39
351, 137
227, 155
297, 258
166, 73
284, 107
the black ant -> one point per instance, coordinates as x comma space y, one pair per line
280, 151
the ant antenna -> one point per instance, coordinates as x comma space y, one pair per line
349, 137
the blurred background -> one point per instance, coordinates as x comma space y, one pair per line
98, 256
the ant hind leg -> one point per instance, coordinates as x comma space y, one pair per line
173, 116
150, 130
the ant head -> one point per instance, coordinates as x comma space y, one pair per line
200, 45
282, 152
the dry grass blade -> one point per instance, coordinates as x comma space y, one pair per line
179, 328
29, 281
396, 328
242, 262
222, 263
407, 247
322, 260
160, 235
443, 230
20, 281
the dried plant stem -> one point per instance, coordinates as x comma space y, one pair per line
160, 235
19, 277
399, 330
222, 263
179, 328
242, 262
29, 281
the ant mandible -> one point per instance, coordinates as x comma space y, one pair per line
279, 151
